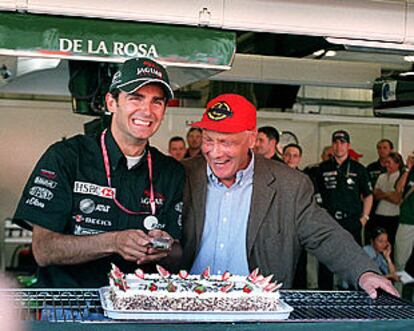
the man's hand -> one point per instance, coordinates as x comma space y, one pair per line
370, 282
155, 254
135, 245
131, 244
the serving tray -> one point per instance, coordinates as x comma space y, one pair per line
192, 316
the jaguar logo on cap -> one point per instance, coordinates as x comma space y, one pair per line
117, 78
219, 111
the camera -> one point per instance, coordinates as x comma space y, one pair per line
160, 243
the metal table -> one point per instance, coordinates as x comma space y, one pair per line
46, 308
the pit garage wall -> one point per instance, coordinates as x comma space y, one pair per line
27, 128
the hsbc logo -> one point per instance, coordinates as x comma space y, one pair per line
93, 189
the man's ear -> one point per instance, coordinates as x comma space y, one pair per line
111, 102
252, 138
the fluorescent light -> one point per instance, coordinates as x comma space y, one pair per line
409, 58
408, 73
319, 53
370, 44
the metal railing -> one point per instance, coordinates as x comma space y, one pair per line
77, 305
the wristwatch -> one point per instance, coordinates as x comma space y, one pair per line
365, 217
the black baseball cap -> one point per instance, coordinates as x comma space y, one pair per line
138, 72
341, 135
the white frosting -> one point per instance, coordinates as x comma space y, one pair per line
185, 287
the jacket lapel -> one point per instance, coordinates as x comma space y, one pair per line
199, 194
264, 191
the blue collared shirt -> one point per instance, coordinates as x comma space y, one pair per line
378, 258
223, 244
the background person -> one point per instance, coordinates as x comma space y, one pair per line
243, 211
176, 148
388, 210
344, 187
379, 250
193, 142
404, 239
292, 155
97, 200
266, 143
312, 170
376, 168
345, 192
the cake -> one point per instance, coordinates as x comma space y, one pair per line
183, 292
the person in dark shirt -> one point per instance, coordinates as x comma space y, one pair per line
345, 192
376, 168
266, 143
344, 187
313, 169
97, 200
194, 136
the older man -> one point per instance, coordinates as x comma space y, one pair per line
243, 211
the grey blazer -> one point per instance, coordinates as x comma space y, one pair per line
283, 218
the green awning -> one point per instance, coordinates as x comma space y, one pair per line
190, 53
107, 40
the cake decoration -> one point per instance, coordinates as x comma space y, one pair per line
183, 274
183, 292
226, 276
139, 273
163, 272
206, 273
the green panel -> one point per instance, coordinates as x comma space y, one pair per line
400, 325
78, 37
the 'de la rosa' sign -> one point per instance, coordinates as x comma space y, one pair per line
104, 48
23, 34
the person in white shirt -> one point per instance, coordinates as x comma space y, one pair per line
388, 210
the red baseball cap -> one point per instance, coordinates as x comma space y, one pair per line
228, 113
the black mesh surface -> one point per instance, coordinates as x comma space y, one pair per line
58, 305
346, 305
75, 305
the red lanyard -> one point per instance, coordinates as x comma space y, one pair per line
108, 177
